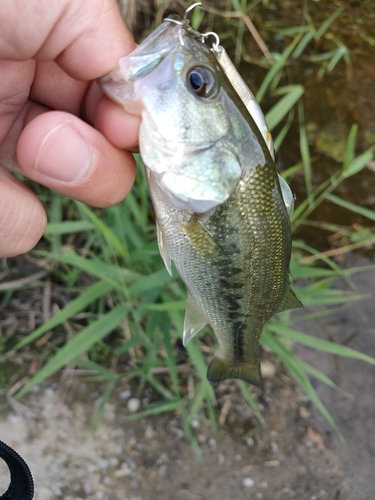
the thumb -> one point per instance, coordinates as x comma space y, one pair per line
66, 154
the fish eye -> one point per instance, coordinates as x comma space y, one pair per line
201, 81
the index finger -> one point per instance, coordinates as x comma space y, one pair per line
85, 39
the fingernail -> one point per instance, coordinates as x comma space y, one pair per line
63, 155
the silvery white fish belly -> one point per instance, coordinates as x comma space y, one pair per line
221, 216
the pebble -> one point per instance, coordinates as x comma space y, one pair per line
103, 463
163, 457
304, 413
134, 484
212, 443
125, 394
271, 463
274, 448
162, 470
248, 482
195, 423
250, 442
268, 369
134, 405
123, 472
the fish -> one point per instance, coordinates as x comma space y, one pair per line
222, 211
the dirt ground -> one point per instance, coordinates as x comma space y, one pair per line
296, 455
151, 459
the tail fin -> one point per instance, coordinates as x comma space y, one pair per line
220, 369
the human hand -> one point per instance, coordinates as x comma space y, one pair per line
49, 52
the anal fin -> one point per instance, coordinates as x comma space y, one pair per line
194, 319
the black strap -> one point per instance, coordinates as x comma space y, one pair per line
21, 485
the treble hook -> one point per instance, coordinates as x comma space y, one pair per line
216, 45
189, 9
185, 20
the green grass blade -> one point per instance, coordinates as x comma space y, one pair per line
282, 134
155, 409
282, 108
275, 69
80, 343
366, 212
171, 360
68, 227
359, 163
196, 357
328, 297
155, 280
87, 364
305, 40
328, 22
292, 364
177, 305
319, 344
200, 396
107, 233
103, 400
160, 388
94, 266
249, 398
86, 298
310, 370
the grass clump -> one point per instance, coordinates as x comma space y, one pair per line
124, 317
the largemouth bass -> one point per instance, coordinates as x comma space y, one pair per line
220, 212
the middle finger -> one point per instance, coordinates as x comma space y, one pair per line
56, 90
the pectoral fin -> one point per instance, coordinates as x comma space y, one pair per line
201, 239
163, 248
287, 196
194, 320
289, 301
